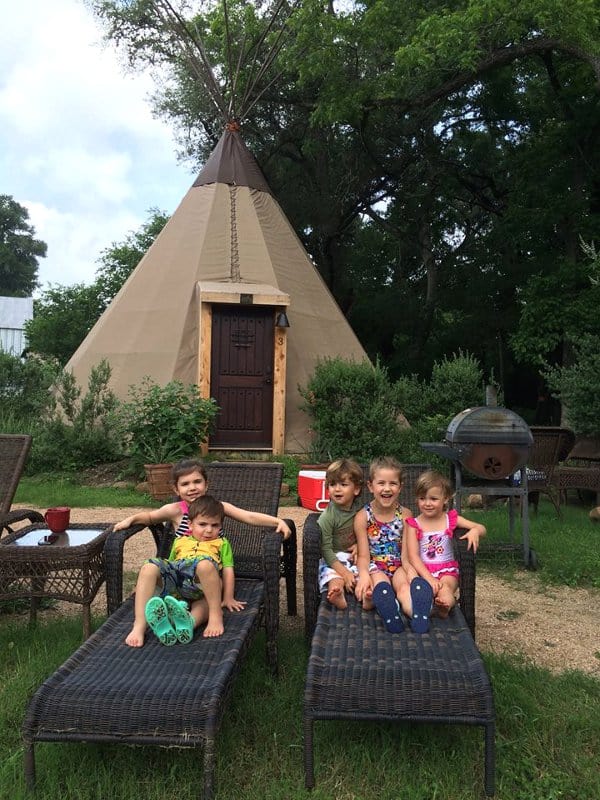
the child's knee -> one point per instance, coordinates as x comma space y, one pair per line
206, 568
149, 569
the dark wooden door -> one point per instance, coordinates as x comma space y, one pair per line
242, 375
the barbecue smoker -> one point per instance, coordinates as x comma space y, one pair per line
492, 445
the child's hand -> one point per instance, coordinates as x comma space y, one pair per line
349, 579
282, 527
123, 525
353, 553
472, 537
362, 588
231, 604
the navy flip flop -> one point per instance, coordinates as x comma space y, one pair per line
421, 595
388, 607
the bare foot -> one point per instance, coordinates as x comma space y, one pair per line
336, 596
442, 607
135, 637
214, 627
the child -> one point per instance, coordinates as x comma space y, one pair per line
337, 569
429, 539
189, 483
192, 572
384, 569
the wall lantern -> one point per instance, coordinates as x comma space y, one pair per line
282, 321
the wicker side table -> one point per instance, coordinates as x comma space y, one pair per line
71, 569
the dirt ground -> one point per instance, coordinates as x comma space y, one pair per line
555, 627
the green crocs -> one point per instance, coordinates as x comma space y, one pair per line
180, 618
158, 619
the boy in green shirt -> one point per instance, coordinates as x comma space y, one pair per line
337, 570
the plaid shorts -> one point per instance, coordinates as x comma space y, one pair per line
179, 576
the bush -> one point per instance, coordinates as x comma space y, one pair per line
25, 385
162, 424
353, 411
83, 430
456, 383
356, 411
578, 386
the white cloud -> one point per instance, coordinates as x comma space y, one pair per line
79, 147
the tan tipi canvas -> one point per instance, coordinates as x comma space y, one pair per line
227, 242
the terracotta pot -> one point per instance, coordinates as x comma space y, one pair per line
160, 481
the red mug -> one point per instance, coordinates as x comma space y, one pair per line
57, 519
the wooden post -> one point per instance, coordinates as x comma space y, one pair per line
204, 348
279, 375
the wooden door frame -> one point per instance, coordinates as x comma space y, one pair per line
245, 295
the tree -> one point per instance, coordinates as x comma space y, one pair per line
19, 250
62, 317
435, 159
118, 261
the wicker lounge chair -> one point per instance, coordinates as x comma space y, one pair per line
359, 671
580, 470
550, 446
171, 696
14, 449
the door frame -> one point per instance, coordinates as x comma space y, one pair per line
244, 295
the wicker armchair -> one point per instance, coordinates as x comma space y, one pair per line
169, 696
550, 446
581, 469
359, 671
14, 449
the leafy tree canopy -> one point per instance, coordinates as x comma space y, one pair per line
118, 261
19, 250
438, 160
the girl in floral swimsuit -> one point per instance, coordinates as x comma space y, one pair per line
382, 558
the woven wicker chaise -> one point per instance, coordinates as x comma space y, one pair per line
169, 696
359, 671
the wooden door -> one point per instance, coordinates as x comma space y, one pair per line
242, 375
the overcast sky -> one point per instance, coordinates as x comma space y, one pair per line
78, 145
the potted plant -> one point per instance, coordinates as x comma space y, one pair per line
163, 424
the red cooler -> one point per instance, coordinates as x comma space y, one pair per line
312, 491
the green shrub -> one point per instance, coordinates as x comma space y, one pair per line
25, 386
162, 424
356, 411
456, 383
353, 411
578, 386
83, 430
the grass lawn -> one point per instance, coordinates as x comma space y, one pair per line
548, 726
548, 739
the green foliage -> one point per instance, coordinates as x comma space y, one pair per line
64, 315
19, 251
118, 261
353, 410
82, 430
25, 386
165, 423
578, 386
356, 410
62, 318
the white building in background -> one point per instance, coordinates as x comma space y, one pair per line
14, 312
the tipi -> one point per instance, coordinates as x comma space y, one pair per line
226, 298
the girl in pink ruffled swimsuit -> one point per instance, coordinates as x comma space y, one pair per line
429, 538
